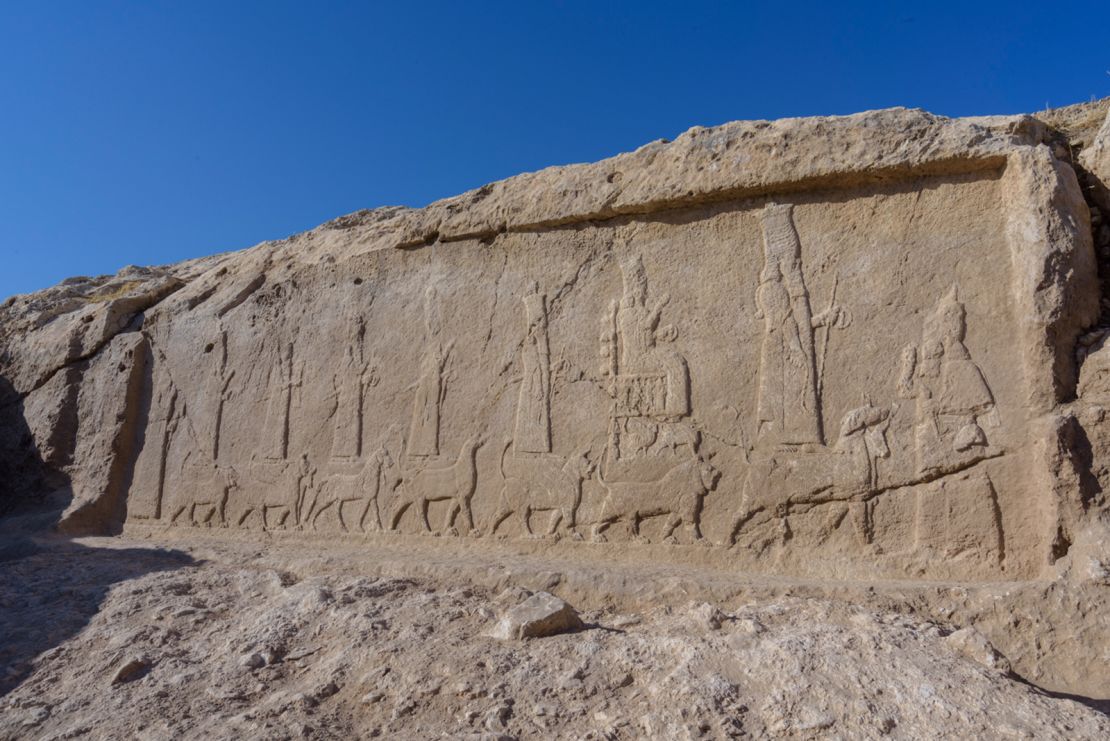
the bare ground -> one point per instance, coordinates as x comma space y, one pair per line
209, 638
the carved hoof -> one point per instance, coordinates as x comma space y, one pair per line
575, 536
451, 532
599, 538
703, 542
670, 540
474, 533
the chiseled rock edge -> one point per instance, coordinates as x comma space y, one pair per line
733, 160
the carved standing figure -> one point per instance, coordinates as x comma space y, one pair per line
284, 378
533, 413
789, 409
423, 440
350, 384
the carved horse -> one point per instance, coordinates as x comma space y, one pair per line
364, 486
454, 483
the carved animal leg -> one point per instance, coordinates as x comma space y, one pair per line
452, 514
398, 512
599, 528
501, 516
673, 522
243, 515
553, 525
424, 505
316, 515
469, 515
366, 511
748, 517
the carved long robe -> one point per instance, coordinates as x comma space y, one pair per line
533, 416
788, 412
424, 429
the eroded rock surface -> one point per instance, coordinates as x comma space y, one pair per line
855, 349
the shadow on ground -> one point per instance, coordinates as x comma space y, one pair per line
50, 586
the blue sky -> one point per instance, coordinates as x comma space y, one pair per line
149, 132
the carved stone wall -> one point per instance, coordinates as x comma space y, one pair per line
851, 374
828, 347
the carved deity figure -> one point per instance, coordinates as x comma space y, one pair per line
652, 381
789, 410
284, 378
350, 383
951, 394
216, 392
423, 440
533, 415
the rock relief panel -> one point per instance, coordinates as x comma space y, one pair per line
651, 453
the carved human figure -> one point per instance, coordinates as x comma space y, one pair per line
284, 378
789, 409
951, 394
640, 355
423, 437
217, 392
350, 384
533, 413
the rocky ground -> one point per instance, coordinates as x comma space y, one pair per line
119, 638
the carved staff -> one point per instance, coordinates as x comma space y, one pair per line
825, 338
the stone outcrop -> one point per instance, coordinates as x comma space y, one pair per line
833, 347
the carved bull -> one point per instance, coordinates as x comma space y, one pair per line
542, 483
679, 496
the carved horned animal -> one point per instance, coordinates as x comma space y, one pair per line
846, 473
679, 495
454, 483
272, 489
542, 483
203, 493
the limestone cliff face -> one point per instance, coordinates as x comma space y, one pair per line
825, 347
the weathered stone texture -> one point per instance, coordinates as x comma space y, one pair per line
825, 347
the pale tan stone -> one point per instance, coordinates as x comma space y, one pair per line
847, 348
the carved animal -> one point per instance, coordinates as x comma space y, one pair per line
365, 486
846, 473
679, 496
542, 483
272, 489
454, 483
203, 493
